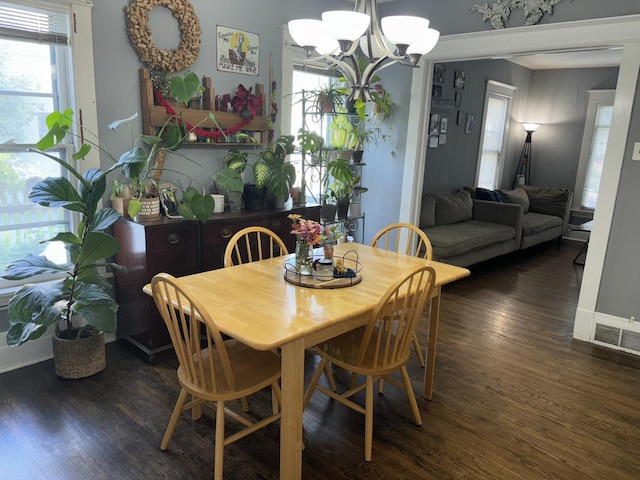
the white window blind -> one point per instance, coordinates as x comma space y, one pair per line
38, 24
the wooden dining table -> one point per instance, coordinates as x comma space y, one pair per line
254, 303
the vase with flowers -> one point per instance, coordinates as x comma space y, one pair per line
309, 233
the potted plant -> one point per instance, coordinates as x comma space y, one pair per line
271, 170
382, 104
81, 292
144, 163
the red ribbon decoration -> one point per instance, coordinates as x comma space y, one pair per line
215, 134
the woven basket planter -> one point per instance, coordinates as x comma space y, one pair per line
79, 357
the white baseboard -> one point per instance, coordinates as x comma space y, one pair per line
32, 352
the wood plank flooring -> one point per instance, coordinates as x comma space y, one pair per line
515, 398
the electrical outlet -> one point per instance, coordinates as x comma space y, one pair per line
636, 151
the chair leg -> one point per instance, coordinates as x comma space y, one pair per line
368, 420
411, 395
329, 374
218, 460
196, 411
173, 421
314, 382
416, 346
245, 404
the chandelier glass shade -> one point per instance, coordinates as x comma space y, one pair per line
346, 38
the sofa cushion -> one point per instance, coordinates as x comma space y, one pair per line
552, 201
533, 223
455, 239
428, 210
453, 207
518, 196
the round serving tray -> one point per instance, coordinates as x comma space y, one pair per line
350, 260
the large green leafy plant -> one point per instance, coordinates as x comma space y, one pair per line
82, 290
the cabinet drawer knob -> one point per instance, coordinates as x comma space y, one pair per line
276, 224
173, 238
226, 233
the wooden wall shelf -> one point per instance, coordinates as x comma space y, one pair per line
155, 116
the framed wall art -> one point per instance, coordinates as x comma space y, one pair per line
459, 79
238, 51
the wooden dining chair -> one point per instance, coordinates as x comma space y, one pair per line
379, 348
212, 369
410, 240
251, 244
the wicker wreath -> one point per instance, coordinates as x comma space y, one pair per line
142, 41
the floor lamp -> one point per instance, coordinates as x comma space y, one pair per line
523, 172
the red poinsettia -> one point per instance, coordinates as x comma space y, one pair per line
246, 103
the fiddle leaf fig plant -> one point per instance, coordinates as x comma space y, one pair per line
81, 290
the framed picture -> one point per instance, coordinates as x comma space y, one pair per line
438, 72
169, 202
442, 139
459, 80
458, 99
436, 92
443, 104
460, 118
471, 120
443, 125
238, 51
434, 124
433, 141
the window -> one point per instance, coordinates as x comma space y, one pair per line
35, 79
497, 110
594, 146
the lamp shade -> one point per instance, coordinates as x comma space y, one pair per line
307, 32
425, 43
344, 25
404, 29
327, 46
530, 127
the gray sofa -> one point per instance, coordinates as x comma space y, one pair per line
546, 212
464, 231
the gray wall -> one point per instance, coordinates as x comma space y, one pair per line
620, 282
452, 166
558, 99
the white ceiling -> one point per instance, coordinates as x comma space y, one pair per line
581, 59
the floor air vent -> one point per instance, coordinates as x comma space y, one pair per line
617, 337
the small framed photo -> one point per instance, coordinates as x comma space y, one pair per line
460, 118
442, 139
436, 92
434, 124
458, 99
459, 79
443, 125
169, 202
471, 120
438, 72
433, 141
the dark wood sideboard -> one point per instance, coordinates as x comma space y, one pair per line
179, 247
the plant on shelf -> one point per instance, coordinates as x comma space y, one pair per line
271, 170
82, 291
382, 104
142, 166
246, 103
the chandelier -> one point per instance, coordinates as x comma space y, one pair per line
360, 45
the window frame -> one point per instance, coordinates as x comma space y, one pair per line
79, 96
596, 99
497, 90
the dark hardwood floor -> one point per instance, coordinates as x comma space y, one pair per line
515, 398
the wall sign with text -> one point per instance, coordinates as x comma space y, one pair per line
238, 51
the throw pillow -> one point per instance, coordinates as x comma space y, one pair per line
428, 210
517, 196
490, 195
551, 201
453, 207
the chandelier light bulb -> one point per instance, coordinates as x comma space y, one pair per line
424, 45
307, 32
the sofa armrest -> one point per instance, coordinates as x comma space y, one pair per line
496, 212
